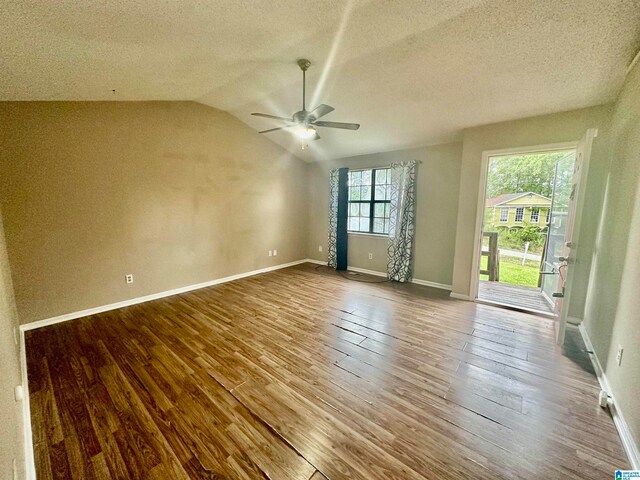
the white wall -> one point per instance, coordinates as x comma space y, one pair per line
612, 311
175, 193
11, 438
436, 211
547, 129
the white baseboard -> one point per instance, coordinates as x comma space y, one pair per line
426, 283
317, 262
28, 435
574, 321
134, 301
29, 459
26, 409
417, 281
460, 296
367, 272
628, 442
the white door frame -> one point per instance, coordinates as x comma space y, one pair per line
482, 188
587, 142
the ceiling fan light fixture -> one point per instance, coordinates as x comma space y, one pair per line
303, 123
305, 132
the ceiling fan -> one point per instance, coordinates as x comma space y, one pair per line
303, 123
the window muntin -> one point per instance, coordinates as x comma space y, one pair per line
519, 214
535, 215
369, 201
504, 215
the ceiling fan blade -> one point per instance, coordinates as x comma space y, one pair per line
266, 115
345, 126
321, 110
274, 129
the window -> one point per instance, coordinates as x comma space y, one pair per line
535, 215
519, 214
369, 199
504, 214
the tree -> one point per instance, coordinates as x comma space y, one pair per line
522, 173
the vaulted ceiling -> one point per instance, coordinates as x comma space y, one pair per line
410, 72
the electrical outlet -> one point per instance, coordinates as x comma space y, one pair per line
271, 253
619, 355
128, 278
275, 253
319, 248
371, 256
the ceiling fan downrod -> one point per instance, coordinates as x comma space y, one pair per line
304, 65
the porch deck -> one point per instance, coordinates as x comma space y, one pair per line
529, 298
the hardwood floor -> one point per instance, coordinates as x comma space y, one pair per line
303, 374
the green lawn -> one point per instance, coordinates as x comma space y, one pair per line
512, 272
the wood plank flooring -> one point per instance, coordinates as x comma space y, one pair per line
303, 374
528, 298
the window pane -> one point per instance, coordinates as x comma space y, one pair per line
519, 214
378, 225
354, 209
379, 210
364, 224
353, 223
387, 210
354, 193
356, 179
382, 192
381, 177
366, 177
364, 210
365, 193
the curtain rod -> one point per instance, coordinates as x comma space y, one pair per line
375, 167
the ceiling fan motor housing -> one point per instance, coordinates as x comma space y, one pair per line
303, 116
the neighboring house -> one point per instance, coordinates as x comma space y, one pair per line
515, 210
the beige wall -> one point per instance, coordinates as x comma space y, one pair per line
547, 129
612, 313
11, 438
436, 211
175, 193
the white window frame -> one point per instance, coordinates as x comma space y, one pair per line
537, 212
502, 210
515, 218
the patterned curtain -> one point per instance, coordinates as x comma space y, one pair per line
402, 222
332, 257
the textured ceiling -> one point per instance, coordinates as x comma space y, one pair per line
411, 72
